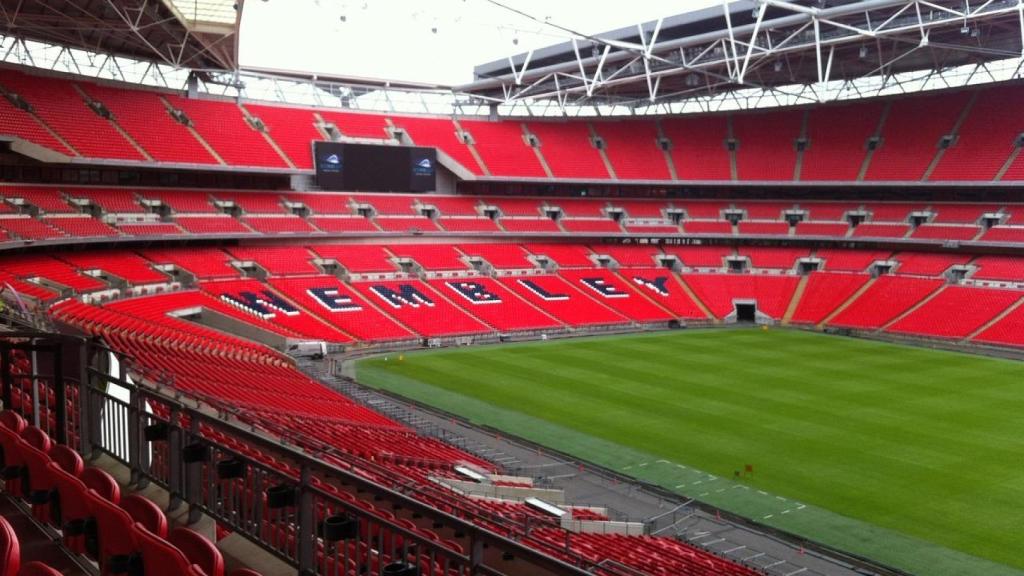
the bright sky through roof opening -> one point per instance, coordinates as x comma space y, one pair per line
428, 41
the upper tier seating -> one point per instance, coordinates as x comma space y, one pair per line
701, 256
718, 291
29, 229
145, 117
850, 260
836, 135
985, 139
837, 141
468, 225
568, 150
766, 144
223, 126
827, 211
1004, 234
334, 224
927, 264
111, 200
885, 300
38, 266
182, 201
202, 262
545, 225
834, 230
825, 291
406, 224
778, 258
254, 202
956, 312
503, 148
57, 103
564, 255
292, 129
278, 260
80, 226
23, 125
431, 256
590, 225
633, 150
357, 259
871, 230
763, 228
219, 224
123, 264
498, 255
962, 213
49, 200
441, 134
150, 229
940, 232
356, 124
911, 133
630, 256
323, 202
283, 224
698, 147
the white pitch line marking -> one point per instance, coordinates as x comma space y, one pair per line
643, 464
681, 466
762, 492
680, 485
801, 507
704, 494
767, 516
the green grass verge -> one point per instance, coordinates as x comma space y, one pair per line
903, 454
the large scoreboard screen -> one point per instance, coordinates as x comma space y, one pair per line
374, 167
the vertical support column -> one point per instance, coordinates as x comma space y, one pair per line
307, 524
476, 554
60, 393
134, 431
174, 476
193, 478
86, 414
5, 370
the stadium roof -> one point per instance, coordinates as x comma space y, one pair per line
196, 34
764, 44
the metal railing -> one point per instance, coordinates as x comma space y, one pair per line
323, 515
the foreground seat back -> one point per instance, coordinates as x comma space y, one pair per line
69, 507
199, 550
145, 512
10, 552
69, 460
159, 557
12, 421
115, 536
37, 438
103, 483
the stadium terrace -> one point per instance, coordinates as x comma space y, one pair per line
738, 291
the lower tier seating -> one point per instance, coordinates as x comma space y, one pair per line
884, 300
719, 291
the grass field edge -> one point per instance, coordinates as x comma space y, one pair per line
833, 530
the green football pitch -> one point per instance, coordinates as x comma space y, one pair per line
913, 457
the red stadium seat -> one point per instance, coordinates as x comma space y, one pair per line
115, 539
145, 512
69, 507
198, 550
103, 483
10, 551
159, 557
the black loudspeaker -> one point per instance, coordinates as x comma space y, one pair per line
195, 452
400, 569
338, 527
230, 468
280, 496
158, 432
